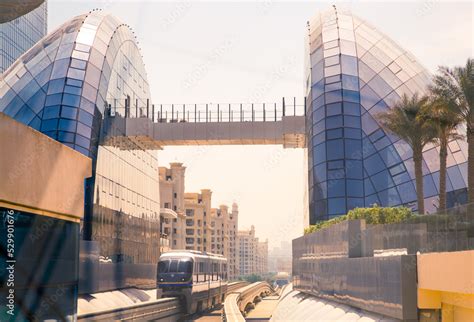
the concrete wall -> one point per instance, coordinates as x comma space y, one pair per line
446, 283
40, 172
42, 199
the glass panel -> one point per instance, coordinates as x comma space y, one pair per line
332, 70
333, 122
336, 206
335, 149
333, 109
355, 188
333, 60
336, 188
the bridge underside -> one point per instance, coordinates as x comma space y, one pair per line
289, 132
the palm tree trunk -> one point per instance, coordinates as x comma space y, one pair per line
443, 155
418, 163
470, 165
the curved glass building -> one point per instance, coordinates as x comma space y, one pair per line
67, 86
354, 73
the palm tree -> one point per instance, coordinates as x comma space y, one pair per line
456, 87
405, 121
443, 116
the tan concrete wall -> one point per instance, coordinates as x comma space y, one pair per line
448, 272
39, 172
446, 282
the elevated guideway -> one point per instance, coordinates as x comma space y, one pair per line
136, 305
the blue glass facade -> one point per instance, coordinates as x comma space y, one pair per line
354, 73
61, 87
20, 34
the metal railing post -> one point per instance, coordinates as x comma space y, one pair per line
136, 108
283, 105
195, 112
206, 112
127, 106
218, 113
253, 114
264, 112
147, 108
161, 113
184, 112
305, 106
294, 106
172, 111
275, 112
241, 115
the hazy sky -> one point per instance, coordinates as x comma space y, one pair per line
252, 52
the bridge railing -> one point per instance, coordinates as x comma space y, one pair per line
237, 303
207, 112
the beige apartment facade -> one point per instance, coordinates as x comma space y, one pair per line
224, 227
247, 251
198, 225
262, 257
252, 254
172, 213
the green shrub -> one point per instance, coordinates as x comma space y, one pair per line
372, 215
380, 215
324, 224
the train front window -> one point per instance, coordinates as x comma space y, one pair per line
163, 266
175, 266
185, 266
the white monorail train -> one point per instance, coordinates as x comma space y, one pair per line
197, 277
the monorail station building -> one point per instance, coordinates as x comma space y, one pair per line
355, 72
61, 87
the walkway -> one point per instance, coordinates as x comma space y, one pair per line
264, 309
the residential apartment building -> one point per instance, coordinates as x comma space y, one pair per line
252, 255
198, 225
247, 251
262, 257
224, 226
172, 212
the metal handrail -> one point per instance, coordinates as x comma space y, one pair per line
206, 112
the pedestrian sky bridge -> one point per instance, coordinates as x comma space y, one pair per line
156, 126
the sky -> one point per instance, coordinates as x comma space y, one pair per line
243, 51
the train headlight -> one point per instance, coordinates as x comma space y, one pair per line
161, 280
